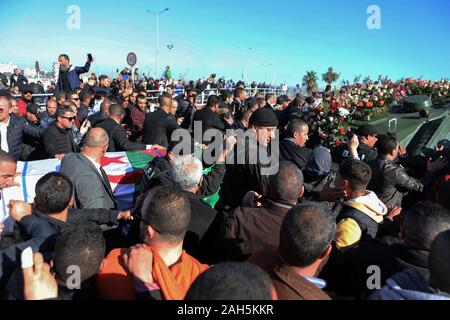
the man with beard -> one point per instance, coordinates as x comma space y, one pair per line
69, 75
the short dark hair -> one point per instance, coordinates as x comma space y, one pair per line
357, 172
116, 110
212, 101
102, 77
295, 125
306, 232
238, 92
269, 96
61, 110
386, 144
169, 212
231, 281
287, 184
225, 95
6, 157
165, 101
53, 193
423, 222
141, 97
65, 56
83, 246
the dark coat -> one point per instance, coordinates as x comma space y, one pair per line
389, 180
91, 191
288, 284
209, 120
118, 138
59, 141
18, 127
21, 81
246, 231
158, 128
242, 177
365, 153
97, 118
202, 217
289, 151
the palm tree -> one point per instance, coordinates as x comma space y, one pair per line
357, 79
330, 76
310, 81
367, 80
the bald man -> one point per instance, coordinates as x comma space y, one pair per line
91, 186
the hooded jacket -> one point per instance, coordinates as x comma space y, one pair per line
408, 285
359, 219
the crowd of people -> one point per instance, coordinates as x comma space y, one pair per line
363, 221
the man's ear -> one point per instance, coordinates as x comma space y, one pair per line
326, 253
72, 201
102, 265
201, 181
302, 191
151, 232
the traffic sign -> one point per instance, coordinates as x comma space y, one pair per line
131, 59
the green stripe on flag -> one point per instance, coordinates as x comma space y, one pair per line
139, 160
213, 199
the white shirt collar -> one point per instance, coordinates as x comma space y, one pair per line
96, 164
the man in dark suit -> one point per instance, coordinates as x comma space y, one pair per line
292, 148
17, 79
118, 138
102, 115
209, 118
91, 186
159, 125
251, 228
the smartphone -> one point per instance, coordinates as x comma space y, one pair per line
90, 59
349, 135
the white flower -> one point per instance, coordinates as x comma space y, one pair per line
331, 119
343, 112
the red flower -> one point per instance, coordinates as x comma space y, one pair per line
341, 119
369, 104
319, 108
338, 143
381, 103
342, 131
360, 104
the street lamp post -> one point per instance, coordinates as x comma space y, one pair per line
157, 36
170, 47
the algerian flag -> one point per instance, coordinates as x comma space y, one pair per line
124, 171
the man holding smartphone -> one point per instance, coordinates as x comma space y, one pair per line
69, 75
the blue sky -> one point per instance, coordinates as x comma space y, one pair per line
288, 37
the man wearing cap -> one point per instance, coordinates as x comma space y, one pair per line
360, 147
246, 174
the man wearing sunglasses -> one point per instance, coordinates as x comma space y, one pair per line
59, 140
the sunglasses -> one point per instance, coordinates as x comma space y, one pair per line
70, 118
76, 99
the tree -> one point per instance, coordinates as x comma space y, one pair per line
330, 76
367, 80
357, 79
310, 81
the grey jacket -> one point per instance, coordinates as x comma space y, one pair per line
90, 189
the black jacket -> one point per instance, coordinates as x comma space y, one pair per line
209, 120
289, 151
237, 106
158, 128
18, 127
82, 113
389, 180
201, 219
118, 139
243, 176
97, 118
365, 153
21, 81
32, 150
159, 172
59, 141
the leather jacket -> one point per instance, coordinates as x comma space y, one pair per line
390, 180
